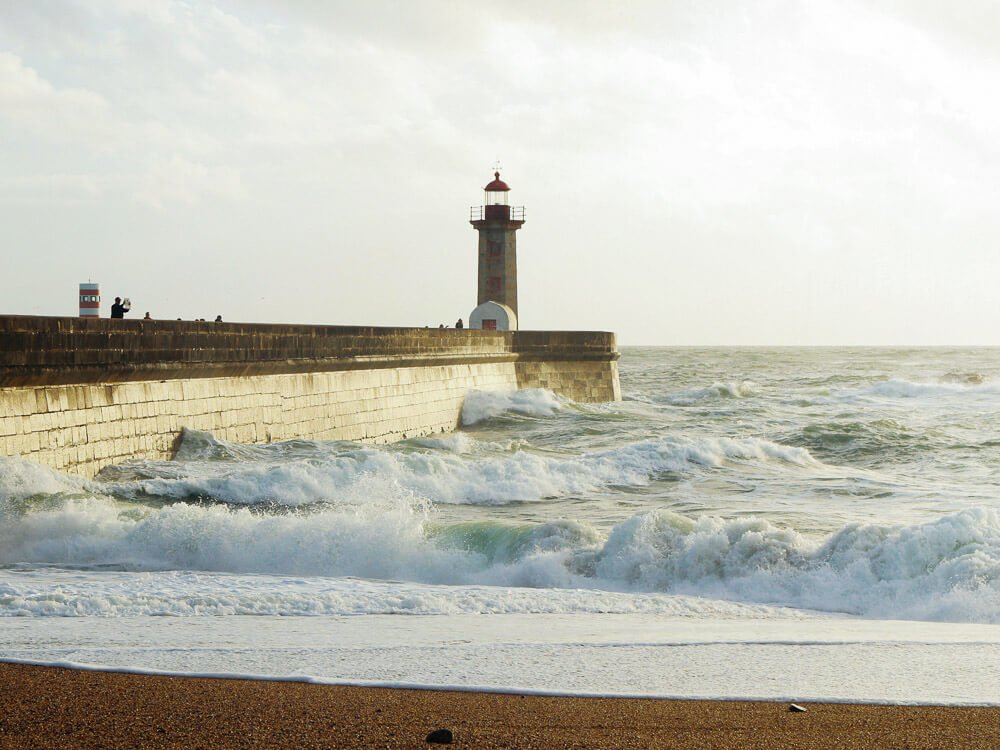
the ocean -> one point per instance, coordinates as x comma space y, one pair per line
792, 523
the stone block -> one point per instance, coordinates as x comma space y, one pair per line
32, 442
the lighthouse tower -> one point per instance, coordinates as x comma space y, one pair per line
497, 223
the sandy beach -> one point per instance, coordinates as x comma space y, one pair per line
59, 708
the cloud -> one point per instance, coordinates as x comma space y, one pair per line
725, 148
48, 189
175, 180
29, 101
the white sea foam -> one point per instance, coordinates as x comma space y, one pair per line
80, 593
20, 480
383, 540
946, 569
480, 406
449, 470
775, 658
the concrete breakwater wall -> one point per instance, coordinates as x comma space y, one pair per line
79, 394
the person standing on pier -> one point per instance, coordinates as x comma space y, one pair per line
119, 308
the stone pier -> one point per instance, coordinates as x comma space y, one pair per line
78, 394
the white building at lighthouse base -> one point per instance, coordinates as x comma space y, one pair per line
493, 316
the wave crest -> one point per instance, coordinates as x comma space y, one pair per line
899, 388
693, 396
945, 569
446, 470
481, 406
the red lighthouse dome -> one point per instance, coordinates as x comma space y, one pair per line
498, 185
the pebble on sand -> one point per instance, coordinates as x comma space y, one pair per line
440, 736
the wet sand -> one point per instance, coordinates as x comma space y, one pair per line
43, 707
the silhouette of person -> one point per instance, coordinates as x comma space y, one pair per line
459, 324
118, 310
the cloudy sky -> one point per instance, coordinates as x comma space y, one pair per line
693, 172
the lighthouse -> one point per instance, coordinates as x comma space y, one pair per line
497, 223
90, 300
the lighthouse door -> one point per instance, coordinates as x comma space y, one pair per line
489, 324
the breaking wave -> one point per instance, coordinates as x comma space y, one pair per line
897, 388
453, 469
480, 406
945, 569
693, 396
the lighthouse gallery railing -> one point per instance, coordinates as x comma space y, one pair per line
478, 213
